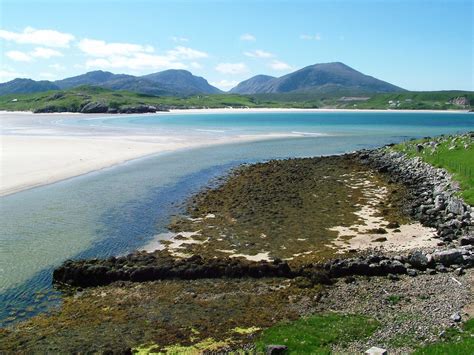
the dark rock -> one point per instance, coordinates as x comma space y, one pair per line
95, 107
466, 240
418, 260
393, 225
448, 257
412, 272
276, 349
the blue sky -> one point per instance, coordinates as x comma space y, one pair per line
418, 45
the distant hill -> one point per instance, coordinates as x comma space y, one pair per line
317, 78
182, 81
252, 85
97, 77
26, 86
168, 83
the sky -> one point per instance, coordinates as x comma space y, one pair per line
415, 44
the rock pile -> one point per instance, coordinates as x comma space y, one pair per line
433, 194
411, 264
142, 266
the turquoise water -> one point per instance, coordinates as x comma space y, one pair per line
117, 210
305, 123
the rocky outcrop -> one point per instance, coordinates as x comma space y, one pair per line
95, 107
433, 194
139, 109
461, 101
419, 261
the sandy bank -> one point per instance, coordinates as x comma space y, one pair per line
39, 149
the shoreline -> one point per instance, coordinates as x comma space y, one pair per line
233, 110
62, 152
88, 159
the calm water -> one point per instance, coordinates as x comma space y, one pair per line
118, 210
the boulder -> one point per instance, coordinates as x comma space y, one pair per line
418, 260
95, 107
448, 257
455, 206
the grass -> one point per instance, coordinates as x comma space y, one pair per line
456, 342
453, 153
394, 299
72, 100
316, 334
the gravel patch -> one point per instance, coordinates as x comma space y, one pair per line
411, 311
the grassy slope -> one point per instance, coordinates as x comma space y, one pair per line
315, 334
73, 99
455, 154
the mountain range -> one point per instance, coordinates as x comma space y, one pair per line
319, 78
167, 83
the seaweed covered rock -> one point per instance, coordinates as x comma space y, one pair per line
140, 267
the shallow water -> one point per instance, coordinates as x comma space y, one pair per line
117, 210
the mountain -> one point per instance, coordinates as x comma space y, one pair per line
165, 83
97, 77
25, 86
252, 85
319, 78
182, 81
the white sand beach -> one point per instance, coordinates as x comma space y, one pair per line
39, 149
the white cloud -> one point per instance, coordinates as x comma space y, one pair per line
179, 39
19, 56
136, 57
259, 54
7, 75
232, 68
48, 38
38, 52
307, 37
181, 52
248, 37
139, 61
279, 65
46, 53
98, 48
225, 84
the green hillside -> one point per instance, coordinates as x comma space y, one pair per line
73, 100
